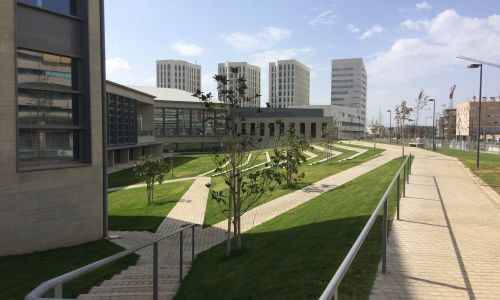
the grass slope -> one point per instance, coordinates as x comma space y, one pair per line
214, 213
128, 209
294, 255
22, 273
489, 170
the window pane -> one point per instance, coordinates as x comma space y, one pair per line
184, 121
60, 6
158, 116
46, 70
43, 147
197, 120
171, 122
47, 108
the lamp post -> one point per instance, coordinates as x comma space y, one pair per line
480, 66
433, 124
390, 126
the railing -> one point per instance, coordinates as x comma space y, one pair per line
145, 133
53, 288
331, 291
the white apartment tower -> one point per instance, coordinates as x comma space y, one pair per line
178, 74
288, 83
252, 76
349, 84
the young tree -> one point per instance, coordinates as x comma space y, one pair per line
246, 186
291, 155
420, 103
375, 130
401, 114
329, 140
151, 170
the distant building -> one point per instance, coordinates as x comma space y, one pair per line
348, 84
288, 83
449, 124
178, 74
467, 119
252, 75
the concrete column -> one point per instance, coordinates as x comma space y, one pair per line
157, 150
136, 153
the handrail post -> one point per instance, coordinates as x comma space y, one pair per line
397, 197
384, 237
58, 290
192, 244
155, 271
408, 170
409, 166
404, 181
181, 254
336, 294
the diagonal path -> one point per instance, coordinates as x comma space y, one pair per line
446, 245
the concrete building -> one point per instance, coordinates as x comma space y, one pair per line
179, 120
349, 83
252, 75
130, 125
51, 142
467, 119
449, 124
289, 82
178, 74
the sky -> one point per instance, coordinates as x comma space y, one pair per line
406, 45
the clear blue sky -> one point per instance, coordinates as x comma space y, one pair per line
406, 45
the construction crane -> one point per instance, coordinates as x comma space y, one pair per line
452, 90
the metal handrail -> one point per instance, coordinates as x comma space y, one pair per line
53, 287
331, 290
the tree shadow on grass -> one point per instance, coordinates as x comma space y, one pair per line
182, 159
134, 223
294, 263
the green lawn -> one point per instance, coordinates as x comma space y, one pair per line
214, 214
294, 255
489, 164
185, 165
20, 274
128, 209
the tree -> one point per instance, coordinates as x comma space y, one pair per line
420, 103
291, 155
151, 170
246, 186
375, 130
329, 140
401, 114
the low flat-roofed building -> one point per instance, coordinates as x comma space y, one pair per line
467, 119
130, 125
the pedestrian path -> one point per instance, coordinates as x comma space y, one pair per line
446, 244
136, 282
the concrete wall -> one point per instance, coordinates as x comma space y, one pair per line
49, 208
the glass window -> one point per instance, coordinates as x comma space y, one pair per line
158, 119
197, 121
252, 129
171, 128
303, 128
39, 69
313, 130
42, 147
262, 129
184, 121
271, 129
47, 108
61, 6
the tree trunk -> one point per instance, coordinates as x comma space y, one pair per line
229, 216
237, 214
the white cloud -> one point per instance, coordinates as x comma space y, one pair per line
371, 32
328, 17
209, 84
424, 5
429, 58
116, 65
263, 39
352, 28
186, 49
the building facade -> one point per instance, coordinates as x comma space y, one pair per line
289, 82
349, 84
467, 119
178, 74
129, 125
51, 142
252, 75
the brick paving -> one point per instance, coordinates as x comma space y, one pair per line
447, 243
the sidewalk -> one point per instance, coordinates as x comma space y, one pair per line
447, 243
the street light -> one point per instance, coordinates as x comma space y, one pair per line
390, 126
480, 66
433, 124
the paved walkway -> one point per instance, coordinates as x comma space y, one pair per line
447, 243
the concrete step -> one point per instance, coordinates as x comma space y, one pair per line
140, 282
131, 289
126, 296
